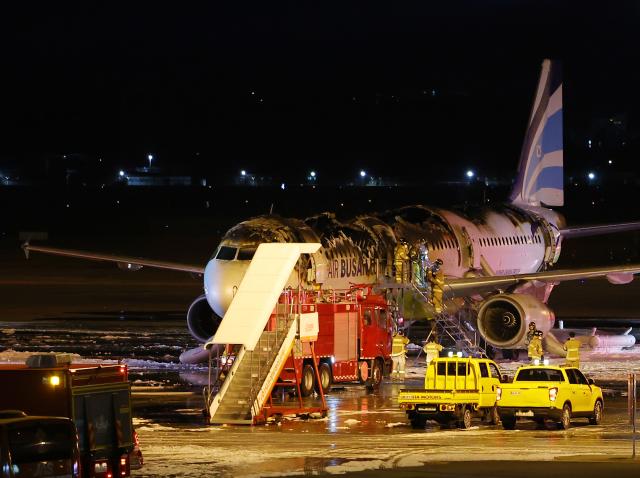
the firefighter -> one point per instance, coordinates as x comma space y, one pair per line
572, 346
436, 279
531, 332
400, 259
423, 254
535, 347
417, 273
398, 355
432, 348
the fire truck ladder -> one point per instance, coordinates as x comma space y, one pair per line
455, 327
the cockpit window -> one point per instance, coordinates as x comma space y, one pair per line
246, 254
226, 253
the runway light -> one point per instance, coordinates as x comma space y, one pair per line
610, 162
282, 186
470, 174
591, 175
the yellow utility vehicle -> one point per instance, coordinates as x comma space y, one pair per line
544, 392
455, 391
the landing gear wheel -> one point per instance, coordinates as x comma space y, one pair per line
515, 354
492, 416
376, 374
325, 378
465, 420
307, 381
565, 419
597, 414
509, 423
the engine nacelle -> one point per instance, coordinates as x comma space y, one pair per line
503, 320
202, 321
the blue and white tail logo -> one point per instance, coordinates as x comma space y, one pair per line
540, 176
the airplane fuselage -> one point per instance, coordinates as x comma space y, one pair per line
492, 241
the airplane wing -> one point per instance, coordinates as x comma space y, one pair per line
124, 262
457, 287
585, 231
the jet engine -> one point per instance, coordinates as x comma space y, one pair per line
503, 320
202, 320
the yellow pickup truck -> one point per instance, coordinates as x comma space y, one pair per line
544, 392
455, 391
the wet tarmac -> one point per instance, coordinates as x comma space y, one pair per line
363, 431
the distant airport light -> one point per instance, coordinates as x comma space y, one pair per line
610, 162
589, 143
243, 173
282, 186
312, 174
470, 174
363, 173
121, 173
591, 176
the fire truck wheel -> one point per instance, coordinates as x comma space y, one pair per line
325, 377
376, 374
307, 381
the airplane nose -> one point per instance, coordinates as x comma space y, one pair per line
221, 281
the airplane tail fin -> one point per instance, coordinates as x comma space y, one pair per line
540, 176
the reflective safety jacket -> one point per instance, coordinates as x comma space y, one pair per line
572, 346
398, 345
535, 348
432, 349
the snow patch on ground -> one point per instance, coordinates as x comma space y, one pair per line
351, 466
396, 424
351, 421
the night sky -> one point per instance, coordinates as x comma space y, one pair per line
282, 88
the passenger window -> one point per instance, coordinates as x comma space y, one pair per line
495, 373
226, 253
582, 380
246, 254
571, 376
484, 371
366, 317
442, 368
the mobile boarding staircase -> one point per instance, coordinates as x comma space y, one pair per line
260, 355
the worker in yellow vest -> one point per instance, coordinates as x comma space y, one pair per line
432, 349
398, 355
436, 279
535, 347
401, 261
572, 346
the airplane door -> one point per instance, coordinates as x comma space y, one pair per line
467, 249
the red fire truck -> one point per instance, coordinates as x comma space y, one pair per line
96, 397
353, 345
